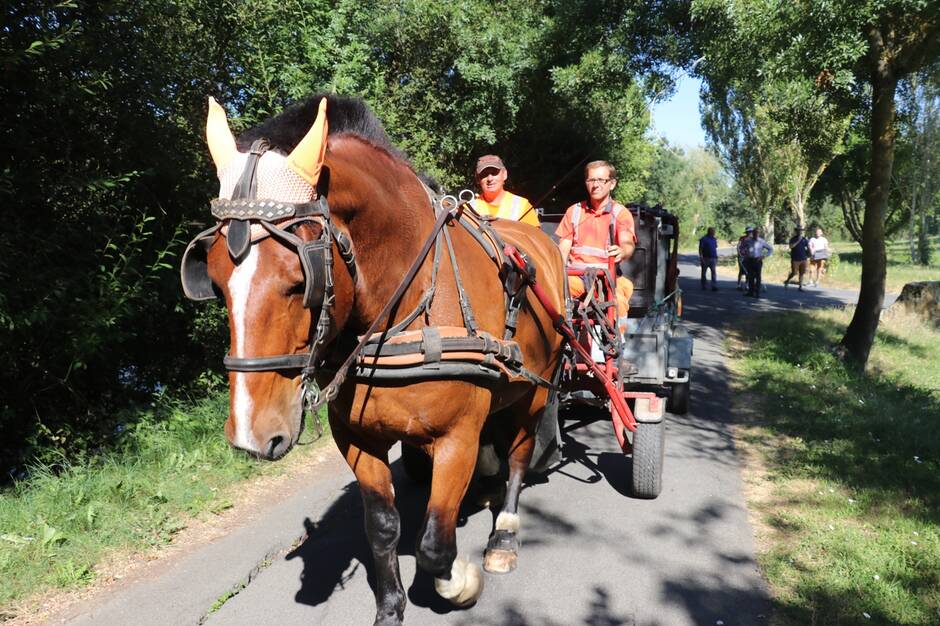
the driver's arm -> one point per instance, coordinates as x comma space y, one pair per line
565, 246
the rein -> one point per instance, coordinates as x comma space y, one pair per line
332, 389
278, 219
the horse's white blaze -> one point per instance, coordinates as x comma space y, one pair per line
239, 288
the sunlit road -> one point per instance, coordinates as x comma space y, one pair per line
590, 553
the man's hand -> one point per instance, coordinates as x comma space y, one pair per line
617, 252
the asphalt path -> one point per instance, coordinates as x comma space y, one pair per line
590, 553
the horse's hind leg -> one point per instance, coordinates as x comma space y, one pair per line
502, 549
382, 522
455, 579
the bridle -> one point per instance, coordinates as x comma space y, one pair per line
234, 219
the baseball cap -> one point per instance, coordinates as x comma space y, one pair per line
749, 229
489, 160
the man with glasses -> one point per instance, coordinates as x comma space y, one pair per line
596, 229
494, 200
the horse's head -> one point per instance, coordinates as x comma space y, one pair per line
269, 257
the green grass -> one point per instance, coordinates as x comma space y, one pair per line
845, 268
846, 487
57, 525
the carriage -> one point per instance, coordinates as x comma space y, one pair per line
422, 337
650, 365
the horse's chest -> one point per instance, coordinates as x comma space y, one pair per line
420, 411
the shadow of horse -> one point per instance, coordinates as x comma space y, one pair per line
335, 549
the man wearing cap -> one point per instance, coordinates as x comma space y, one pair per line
494, 200
596, 229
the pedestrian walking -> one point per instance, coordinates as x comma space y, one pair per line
819, 253
756, 250
799, 256
740, 250
708, 257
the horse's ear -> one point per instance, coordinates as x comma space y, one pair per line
307, 158
219, 136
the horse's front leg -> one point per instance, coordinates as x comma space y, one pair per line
502, 549
454, 458
382, 522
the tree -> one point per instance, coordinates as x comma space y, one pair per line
692, 184
735, 125
104, 168
856, 52
918, 172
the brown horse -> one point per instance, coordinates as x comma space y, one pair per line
378, 203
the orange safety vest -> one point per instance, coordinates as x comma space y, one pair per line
511, 210
593, 256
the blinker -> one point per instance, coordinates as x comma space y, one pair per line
314, 256
194, 270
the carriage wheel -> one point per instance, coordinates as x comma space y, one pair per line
416, 463
678, 402
648, 447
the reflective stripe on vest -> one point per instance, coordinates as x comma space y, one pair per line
514, 211
611, 209
578, 265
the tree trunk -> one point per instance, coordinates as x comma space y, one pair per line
768, 233
923, 245
860, 334
910, 229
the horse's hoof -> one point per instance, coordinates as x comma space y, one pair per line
502, 550
500, 561
465, 585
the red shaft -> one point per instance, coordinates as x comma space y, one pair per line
621, 412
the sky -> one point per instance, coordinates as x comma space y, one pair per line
678, 118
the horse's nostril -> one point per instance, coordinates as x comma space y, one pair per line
273, 445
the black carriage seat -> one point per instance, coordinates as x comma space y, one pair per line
641, 268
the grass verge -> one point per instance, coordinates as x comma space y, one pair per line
843, 468
845, 268
173, 464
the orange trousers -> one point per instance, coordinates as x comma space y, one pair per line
624, 291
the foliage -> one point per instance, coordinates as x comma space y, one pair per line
105, 173
170, 465
694, 186
917, 164
777, 134
855, 53
847, 498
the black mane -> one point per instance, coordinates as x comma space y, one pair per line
345, 114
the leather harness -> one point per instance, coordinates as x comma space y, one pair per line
391, 354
